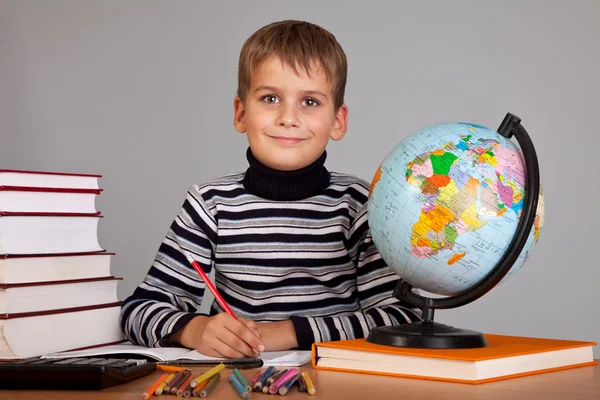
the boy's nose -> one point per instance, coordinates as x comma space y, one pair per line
287, 118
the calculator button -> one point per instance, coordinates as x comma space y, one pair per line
109, 361
67, 360
85, 361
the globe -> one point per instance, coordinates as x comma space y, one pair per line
445, 203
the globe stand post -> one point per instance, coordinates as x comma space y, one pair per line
434, 335
426, 333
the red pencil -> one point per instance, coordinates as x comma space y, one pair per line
213, 290
211, 287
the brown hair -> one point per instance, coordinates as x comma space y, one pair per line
296, 43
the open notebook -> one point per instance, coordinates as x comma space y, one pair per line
291, 358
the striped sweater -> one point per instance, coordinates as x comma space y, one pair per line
311, 260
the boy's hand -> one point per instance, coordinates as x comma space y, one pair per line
278, 336
221, 336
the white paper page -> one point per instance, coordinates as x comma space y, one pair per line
160, 353
286, 358
276, 358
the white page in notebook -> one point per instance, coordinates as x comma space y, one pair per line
291, 358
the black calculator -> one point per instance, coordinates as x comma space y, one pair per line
72, 373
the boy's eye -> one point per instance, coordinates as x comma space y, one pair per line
310, 103
270, 99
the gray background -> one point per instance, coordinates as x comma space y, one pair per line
141, 92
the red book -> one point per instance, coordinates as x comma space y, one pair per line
35, 334
54, 267
48, 200
12, 177
26, 298
48, 233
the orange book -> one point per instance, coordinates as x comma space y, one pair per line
505, 357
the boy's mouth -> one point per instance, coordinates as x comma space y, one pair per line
288, 141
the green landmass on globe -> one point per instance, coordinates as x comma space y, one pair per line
445, 203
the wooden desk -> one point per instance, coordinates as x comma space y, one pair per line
574, 384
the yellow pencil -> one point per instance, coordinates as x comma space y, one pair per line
150, 391
211, 372
162, 386
310, 388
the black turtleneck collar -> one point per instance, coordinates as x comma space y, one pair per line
272, 184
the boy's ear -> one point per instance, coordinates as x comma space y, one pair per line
340, 124
239, 115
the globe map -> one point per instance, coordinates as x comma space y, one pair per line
445, 203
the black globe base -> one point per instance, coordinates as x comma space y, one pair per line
426, 335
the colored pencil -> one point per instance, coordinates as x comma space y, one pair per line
285, 388
173, 382
184, 377
188, 391
255, 378
211, 287
242, 380
290, 374
163, 385
263, 378
211, 385
167, 368
301, 384
184, 385
238, 386
200, 387
208, 374
213, 290
150, 391
273, 378
310, 388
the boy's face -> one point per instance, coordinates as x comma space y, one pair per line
288, 117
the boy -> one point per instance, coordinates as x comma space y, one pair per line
289, 241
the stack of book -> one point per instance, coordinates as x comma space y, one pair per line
56, 289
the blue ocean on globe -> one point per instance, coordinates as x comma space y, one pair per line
444, 206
